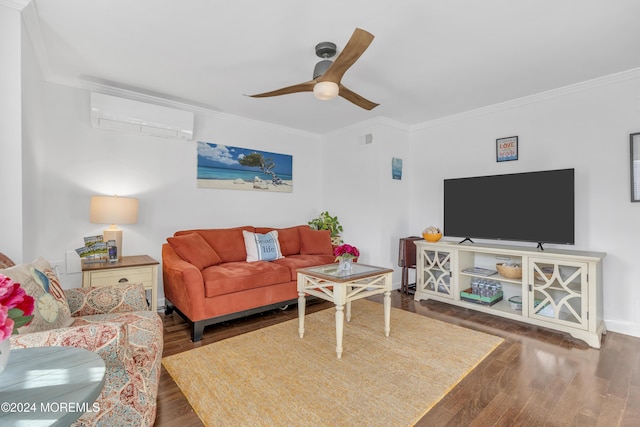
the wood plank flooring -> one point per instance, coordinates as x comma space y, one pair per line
537, 377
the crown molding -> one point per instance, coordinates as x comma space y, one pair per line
15, 4
634, 73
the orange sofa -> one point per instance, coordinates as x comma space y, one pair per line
208, 280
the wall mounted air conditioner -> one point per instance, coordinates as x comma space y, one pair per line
126, 115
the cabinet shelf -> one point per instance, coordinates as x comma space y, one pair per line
571, 279
496, 277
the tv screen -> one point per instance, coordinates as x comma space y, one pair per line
530, 207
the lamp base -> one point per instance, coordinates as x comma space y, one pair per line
114, 233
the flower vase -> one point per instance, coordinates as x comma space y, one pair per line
346, 264
5, 348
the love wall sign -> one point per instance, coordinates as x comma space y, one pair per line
507, 149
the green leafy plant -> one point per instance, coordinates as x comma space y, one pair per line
325, 221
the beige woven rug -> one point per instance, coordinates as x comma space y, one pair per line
272, 377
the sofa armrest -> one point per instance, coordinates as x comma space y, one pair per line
107, 339
106, 299
183, 284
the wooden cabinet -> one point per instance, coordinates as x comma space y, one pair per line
434, 273
129, 270
560, 289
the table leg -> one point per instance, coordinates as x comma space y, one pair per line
387, 313
349, 311
301, 306
339, 329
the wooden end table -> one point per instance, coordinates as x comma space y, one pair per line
127, 271
329, 283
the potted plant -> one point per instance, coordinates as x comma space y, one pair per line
325, 221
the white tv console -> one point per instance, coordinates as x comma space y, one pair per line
560, 289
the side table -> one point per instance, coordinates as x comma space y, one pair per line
129, 270
49, 386
330, 283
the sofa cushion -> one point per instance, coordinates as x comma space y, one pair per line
38, 280
262, 247
193, 248
315, 242
289, 238
227, 242
294, 262
231, 277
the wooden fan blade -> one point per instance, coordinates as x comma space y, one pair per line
357, 44
301, 87
356, 99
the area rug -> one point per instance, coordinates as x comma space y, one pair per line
272, 377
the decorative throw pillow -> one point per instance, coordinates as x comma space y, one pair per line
50, 310
315, 242
262, 247
5, 261
194, 249
106, 299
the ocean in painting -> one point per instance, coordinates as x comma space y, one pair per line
235, 168
205, 172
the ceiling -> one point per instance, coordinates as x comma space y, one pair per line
429, 59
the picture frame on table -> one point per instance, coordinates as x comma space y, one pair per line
507, 149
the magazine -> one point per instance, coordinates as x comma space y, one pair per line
479, 271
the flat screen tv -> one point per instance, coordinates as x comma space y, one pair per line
528, 207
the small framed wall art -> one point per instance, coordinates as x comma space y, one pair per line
634, 140
507, 149
396, 168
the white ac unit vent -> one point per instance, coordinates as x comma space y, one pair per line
126, 115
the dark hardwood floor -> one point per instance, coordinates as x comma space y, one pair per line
537, 377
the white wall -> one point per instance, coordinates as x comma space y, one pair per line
370, 205
69, 161
10, 133
586, 128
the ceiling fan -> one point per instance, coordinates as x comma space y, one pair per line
327, 74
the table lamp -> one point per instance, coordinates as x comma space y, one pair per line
113, 210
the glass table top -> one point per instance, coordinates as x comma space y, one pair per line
333, 272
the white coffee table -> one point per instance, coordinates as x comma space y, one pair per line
329, 283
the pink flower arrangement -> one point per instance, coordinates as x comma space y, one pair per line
346, 251
15, 307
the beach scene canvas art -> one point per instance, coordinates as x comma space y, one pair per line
235, 168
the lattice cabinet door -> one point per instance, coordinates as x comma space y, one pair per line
558, 292
434, 275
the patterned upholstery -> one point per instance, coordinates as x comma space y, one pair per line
5, 261
129, 342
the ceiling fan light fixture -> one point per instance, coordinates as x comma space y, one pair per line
325, 90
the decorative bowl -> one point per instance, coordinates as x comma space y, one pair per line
432, 237
509, 271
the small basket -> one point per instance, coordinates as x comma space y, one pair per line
509, 271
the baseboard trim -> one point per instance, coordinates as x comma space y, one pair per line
623, 327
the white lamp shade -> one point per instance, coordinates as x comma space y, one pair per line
113, 210
325, 90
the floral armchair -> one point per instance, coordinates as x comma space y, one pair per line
114, 322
